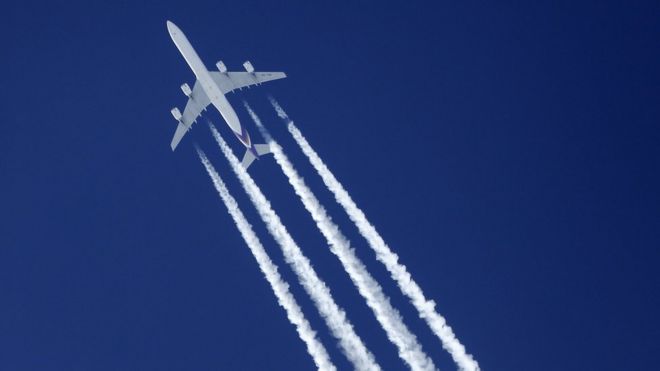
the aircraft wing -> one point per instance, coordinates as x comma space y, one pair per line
229, 81
197, 103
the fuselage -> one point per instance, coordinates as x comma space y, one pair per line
211, 89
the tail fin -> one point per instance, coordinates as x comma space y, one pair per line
249, 157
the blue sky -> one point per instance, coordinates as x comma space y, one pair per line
507, 152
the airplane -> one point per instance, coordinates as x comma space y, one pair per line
210, 88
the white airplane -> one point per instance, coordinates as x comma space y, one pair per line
210, 88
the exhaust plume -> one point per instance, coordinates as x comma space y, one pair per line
384, 254
340, 327
269, 269
388, 317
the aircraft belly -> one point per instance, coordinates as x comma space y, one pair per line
227, 112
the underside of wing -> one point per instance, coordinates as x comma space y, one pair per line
197, 102
229, 81
181, 130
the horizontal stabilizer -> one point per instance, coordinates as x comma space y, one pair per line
262, 149
249, 156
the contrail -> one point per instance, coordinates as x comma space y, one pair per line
340, 327
388, 317
398, 271
269, 269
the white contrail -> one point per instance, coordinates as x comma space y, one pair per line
340, 327
388, 317
280, 288
408, 286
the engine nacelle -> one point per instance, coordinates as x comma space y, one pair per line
221, 67
176, 113
248, 67
186, 90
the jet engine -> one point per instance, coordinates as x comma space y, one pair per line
221, 67
186, 90
176, 113
248, 67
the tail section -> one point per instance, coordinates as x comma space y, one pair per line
262, 149
254, 153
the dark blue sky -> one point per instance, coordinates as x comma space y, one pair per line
508, 152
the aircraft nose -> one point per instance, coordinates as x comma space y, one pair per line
171, 27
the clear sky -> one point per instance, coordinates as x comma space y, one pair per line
507, 152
